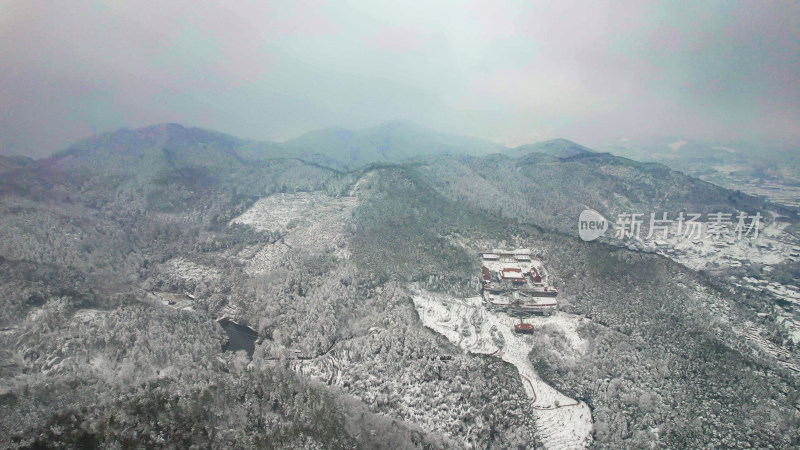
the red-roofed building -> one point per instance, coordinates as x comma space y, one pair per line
512, 274
523, 328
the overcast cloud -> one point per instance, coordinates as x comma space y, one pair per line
512, 72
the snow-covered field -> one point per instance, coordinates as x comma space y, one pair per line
172, 300
189, 270
263, 257
562, 422
783, 193
88, 315
771, 247
310, 220
283, 211
774, 192
768, 248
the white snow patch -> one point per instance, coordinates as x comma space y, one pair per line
262, 258
277, 212
189, 270
311, 220
172, 300
675, 146
768, 248
88, 314
772, 246
563, 422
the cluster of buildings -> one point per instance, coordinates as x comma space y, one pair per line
515, 281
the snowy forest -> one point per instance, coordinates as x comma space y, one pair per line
120, 255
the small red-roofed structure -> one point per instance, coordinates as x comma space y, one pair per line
523, 328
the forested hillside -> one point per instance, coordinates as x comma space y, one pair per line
8, 163
118, 255
552, 192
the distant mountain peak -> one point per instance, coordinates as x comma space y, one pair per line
166, 126
390, 141
148, 151
401, 124
561, 142
559, 148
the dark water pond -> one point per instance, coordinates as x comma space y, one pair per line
240, 337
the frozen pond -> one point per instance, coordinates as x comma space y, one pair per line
240, 337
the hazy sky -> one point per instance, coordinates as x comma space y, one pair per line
512, 72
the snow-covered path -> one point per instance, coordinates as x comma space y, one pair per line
562, 422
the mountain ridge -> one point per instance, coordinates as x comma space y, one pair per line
335, 146
559, 147
9, 163
391, 141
